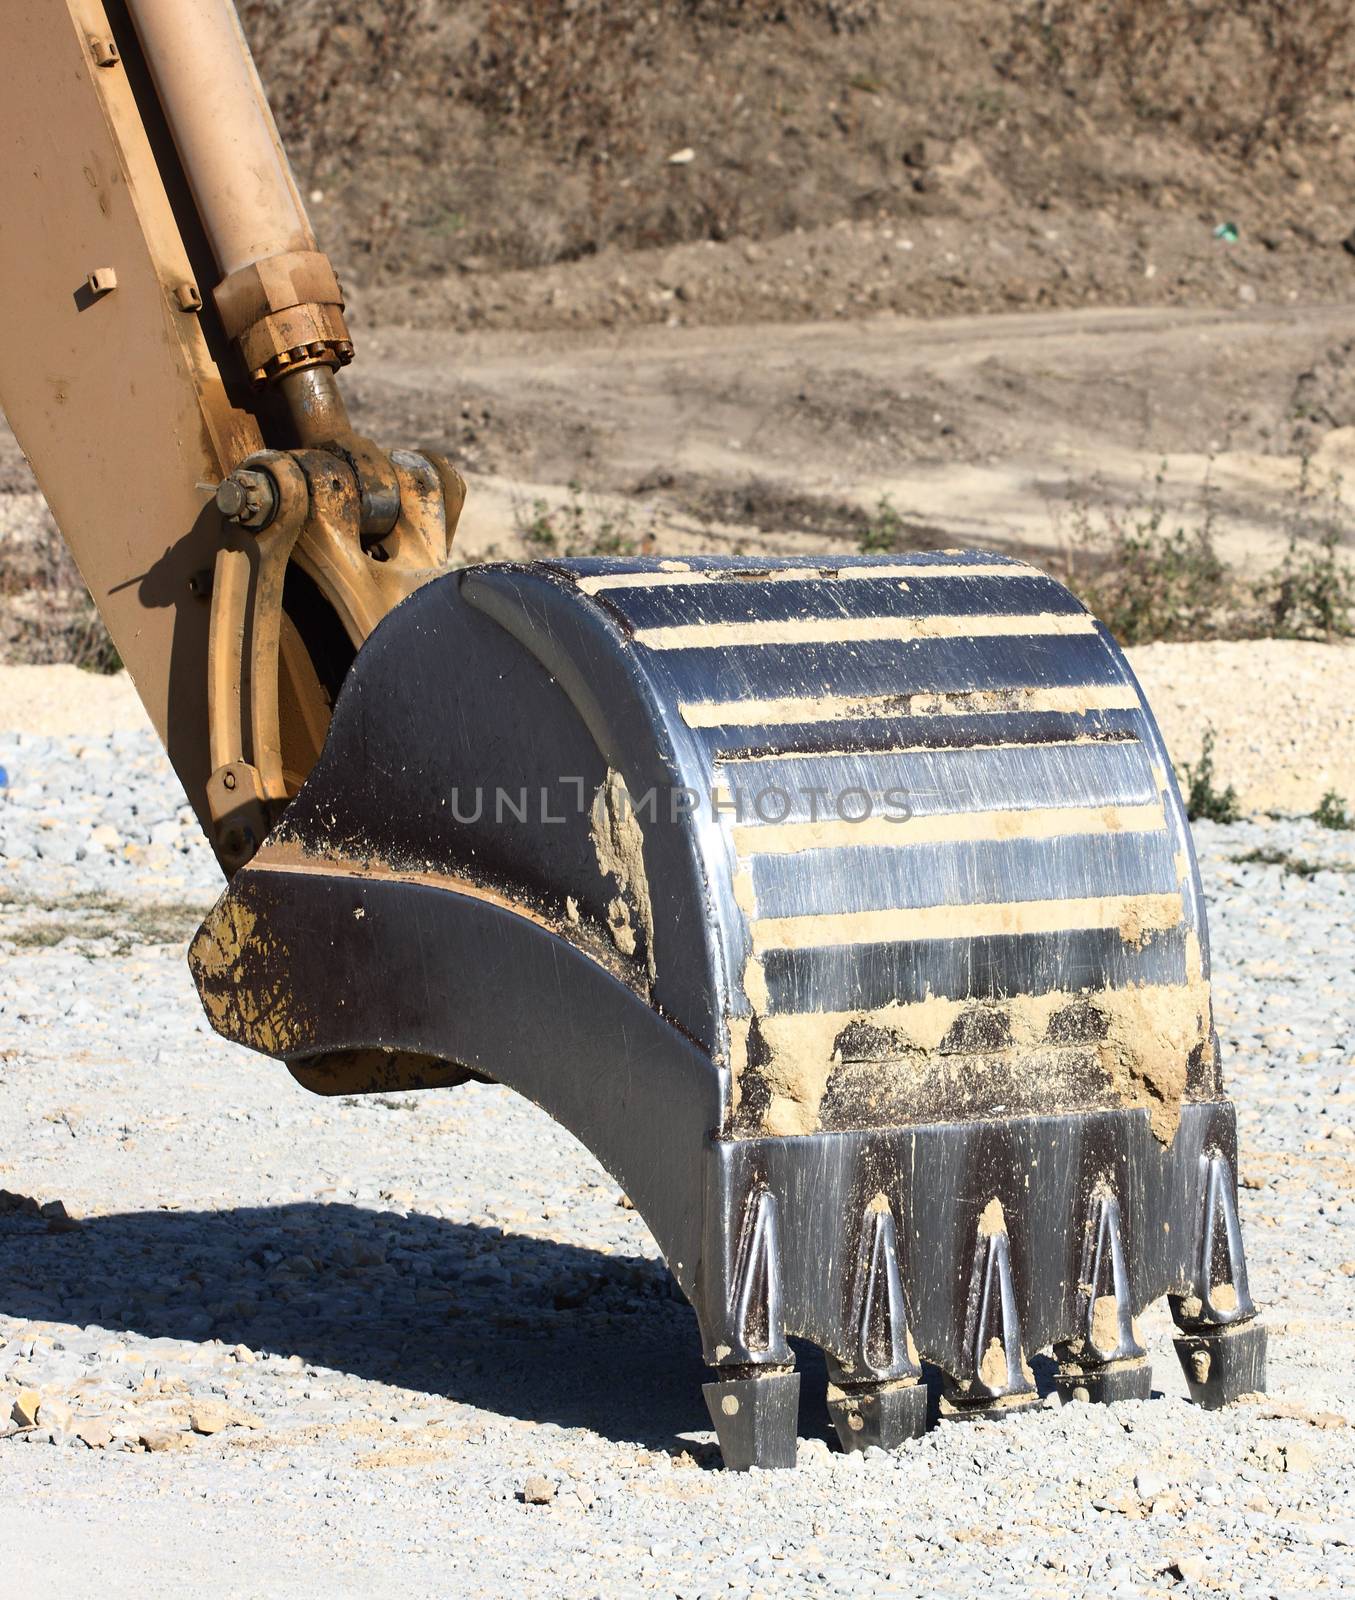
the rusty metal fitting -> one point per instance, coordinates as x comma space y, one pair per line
248, 498
285, 312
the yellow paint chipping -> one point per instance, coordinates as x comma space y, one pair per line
848, 630
789, 838
676, 574
1136, 916
1072, 700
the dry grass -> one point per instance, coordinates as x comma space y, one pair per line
330, 73
585, 93
1234, 72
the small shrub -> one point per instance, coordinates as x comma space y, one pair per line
1295, 866
885, 533
579, 527
1332, 812
89, 645
1145, 579
1311, 593
1150, 577
1204, 800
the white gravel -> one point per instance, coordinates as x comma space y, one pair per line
393, 1313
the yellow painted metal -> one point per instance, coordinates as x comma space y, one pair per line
114, 396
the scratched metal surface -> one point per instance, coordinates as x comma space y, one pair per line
1023, 718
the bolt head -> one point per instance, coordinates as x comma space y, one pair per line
230, 498
246, 497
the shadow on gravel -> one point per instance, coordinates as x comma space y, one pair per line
523, 1327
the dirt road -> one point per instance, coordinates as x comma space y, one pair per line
988, 430
978, 429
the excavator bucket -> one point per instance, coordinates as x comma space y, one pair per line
846, 911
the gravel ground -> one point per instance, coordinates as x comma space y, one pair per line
286, 1346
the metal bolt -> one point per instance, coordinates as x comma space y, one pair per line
104, 51
103, 280
228, 780
188, 298
246, 497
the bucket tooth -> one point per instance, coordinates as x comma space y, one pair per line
879, 1397
755, 1418
756, 1312
882, 1414
1105, 1362
1222, 1344
1000, 1377
882, 1350
1129, 1379
1220, 1295
1223, 1365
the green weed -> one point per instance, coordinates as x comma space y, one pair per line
885, 533
1332, 812
581, 526
1311, 593
1144, 577
1295, 866
1204, 799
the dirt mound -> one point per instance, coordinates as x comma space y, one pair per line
987, 154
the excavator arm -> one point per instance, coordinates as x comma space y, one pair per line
845, 909
172, 331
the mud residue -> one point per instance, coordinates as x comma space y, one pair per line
1033, 1054
1106, 1322
1135, 928
778, 1091
993, 1368
242, 979
1146, 1052
620, 927
216, 948
619, 843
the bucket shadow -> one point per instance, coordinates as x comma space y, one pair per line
530, 1328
